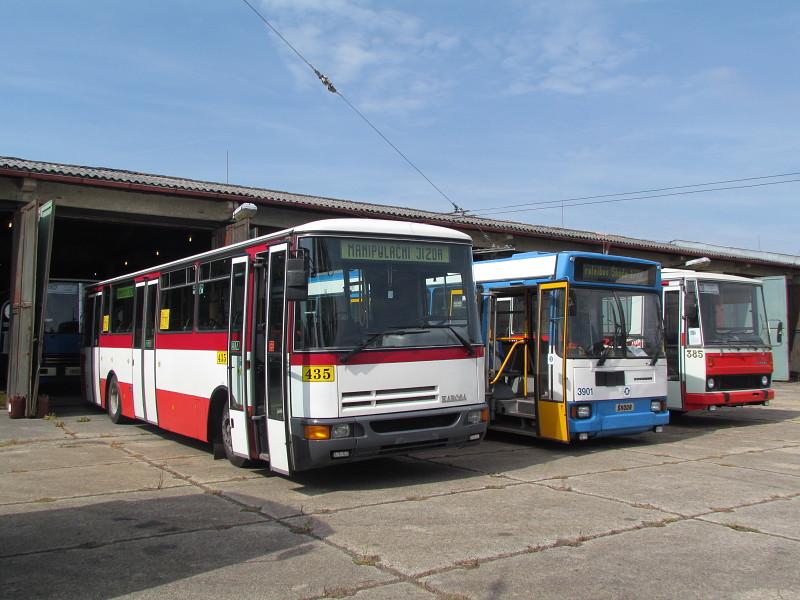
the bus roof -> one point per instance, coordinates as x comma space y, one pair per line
527, 266
672, 274
381, 227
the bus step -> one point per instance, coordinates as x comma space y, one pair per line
516, 407
506, 428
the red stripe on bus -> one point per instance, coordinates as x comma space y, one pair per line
102, 392
192, 341
126, 399
369, 357
183, 413
116, 340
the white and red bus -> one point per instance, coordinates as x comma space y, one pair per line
307, 347
717, 341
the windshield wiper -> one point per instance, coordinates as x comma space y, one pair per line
467, 346
607, 350
659, 344
374, 335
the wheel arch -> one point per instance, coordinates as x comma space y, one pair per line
219, 397
104, 392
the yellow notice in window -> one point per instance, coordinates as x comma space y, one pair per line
106, 319
164, 322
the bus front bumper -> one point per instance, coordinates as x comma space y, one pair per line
733, 398
373, 436
618, 417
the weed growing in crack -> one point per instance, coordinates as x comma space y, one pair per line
367, 560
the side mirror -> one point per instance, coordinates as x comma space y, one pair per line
296, 279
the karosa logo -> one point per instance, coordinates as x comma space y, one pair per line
454, 398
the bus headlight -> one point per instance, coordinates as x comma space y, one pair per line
342, 430
764, 380
477, 416
711, 383
656, 405
581, 411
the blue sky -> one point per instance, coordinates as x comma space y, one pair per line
499, 103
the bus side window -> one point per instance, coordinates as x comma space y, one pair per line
176, 305
122, 308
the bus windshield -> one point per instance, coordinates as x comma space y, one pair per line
732, 314
614, 323
385, 293
62, 308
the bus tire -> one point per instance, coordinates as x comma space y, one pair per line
114, 402
227, 442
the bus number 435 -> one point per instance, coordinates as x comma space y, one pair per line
314, 374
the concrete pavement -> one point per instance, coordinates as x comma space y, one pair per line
708, 508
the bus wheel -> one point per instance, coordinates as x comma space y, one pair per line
227, 442
114, 402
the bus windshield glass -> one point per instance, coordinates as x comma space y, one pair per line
381, 293
614, 323
62, 308
732, 314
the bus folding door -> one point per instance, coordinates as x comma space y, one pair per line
278, 417
237, 357
551, 362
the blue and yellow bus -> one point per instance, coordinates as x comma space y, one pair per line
574, 344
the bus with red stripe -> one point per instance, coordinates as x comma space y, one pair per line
717, 341
303, 348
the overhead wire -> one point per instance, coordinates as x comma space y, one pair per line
334, 90
560, 203
663, 189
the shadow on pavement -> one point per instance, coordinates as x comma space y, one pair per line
123, 546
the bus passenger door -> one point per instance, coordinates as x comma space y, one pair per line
237, 354
91, 351
136, 354
551, 362
672, 346
278, 418
149, 353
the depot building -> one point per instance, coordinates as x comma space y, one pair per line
91, 223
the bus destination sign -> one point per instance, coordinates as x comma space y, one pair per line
394, 251
624, 273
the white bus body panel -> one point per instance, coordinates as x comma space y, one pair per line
374, 389
117, 360
191, 372
641, 380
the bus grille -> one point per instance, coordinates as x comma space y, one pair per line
392, 448
739, 382
390, 396
414, 423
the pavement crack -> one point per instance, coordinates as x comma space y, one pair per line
95, 545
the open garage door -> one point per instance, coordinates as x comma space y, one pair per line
32, 244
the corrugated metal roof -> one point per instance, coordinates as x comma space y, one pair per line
100, 176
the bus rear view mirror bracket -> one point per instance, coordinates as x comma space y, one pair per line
296, 279
778, 333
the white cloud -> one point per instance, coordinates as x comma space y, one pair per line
569, 48
380, 57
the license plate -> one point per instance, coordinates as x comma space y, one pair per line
625, 407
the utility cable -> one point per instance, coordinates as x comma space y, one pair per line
664, 189
333, 90
733, 187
